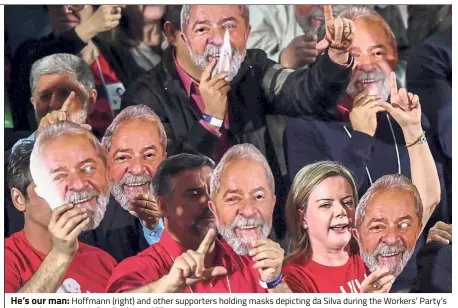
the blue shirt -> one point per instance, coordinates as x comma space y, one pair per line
30, 138
153, 236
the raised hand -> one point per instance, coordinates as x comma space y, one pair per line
301, 51
71, 111
378, 282
189, 268
66, 224
145, 208
268, 257
404, 108
339, 36
214, 92
363, 116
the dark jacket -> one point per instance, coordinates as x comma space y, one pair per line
30, 51
261, 87
312, 139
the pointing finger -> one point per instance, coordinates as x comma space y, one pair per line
207, 242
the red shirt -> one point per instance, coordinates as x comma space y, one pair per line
192, 89
102, 116
156, 261
312, 277
88, 272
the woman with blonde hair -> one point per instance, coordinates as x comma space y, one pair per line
320, 213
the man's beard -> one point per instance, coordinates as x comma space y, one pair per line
312, 20
100, 207
212, 50
128, 179
242, 245
203, 223
371, 259
377, 75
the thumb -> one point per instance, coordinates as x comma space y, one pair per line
322, 45
66, 105
388, 107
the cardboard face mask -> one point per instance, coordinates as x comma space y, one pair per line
50, 195
225, 56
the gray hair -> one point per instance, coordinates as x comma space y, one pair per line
362, 11
240, 152
186, 11
132, 113
62, 63
52, 132
389, 182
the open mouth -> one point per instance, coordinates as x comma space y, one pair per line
216, 57
248, 231
87, 204
340, 228
136, 188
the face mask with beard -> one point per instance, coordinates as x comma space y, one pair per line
370, 79
235, 59
130, 180
372, 262
242, 245
100, 207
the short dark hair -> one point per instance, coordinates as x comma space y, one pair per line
172, 13
174, 165
18, 170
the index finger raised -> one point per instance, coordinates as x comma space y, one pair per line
206, 74
68, 101
207, 242
394, 85
328, 17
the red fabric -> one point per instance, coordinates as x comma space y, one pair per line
156, 261
90, 268
102, 116
312, 277
192, 89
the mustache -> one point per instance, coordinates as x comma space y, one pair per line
77, 196
384, 249
130, 179
374, 75
242, 222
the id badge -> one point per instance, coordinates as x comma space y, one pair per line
114, 93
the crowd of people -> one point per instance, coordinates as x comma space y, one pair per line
229, 149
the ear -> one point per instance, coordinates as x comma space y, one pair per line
420, 229
303, 219
33, 102
170, 33
355, 233
248, 31
184, 38
212, 208
162, 204
18, 200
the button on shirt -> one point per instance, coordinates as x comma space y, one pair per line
156, 261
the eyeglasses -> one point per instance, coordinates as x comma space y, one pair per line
75, 7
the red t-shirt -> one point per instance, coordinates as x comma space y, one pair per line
311, 277
88, 273
156, 261
102, 116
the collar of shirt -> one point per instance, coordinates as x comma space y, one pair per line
191, 87
224, 254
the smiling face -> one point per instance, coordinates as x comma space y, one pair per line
388, 231
135, 154
374, 58
243, 205
78, 174
205, 32
330, 214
